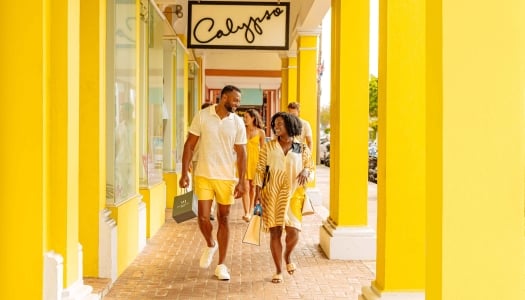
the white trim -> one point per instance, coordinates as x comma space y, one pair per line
307, 49
107, 250
371, 293
53, 275
347, 243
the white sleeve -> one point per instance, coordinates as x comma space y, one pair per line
240, 137
307, 129
195, 127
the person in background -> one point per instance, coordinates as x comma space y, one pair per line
256, 138
194, 161
284, 166
306, 133
222, 149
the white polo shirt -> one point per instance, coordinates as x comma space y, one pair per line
217, 137
305, 131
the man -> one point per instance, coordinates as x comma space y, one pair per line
306, 133
219, 131
194, 160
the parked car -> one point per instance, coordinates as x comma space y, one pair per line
324, 151
372, 162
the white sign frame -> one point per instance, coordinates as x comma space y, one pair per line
238, 25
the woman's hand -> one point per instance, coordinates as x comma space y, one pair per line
302, 178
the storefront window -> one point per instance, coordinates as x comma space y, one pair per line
121, 101
154, 111
179, 102
193, 87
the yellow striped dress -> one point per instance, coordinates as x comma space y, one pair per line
277, 174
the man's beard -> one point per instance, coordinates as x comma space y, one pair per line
229, 108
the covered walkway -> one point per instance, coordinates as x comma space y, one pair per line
168, 266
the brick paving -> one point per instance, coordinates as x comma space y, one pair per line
168, 268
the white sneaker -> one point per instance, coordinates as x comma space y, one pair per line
207, 255
221, 271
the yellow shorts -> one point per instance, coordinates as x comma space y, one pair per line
221, 190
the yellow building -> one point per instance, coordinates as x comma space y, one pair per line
97, 97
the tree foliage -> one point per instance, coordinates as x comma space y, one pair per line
324, 117
372, 96
372, 106
324, 114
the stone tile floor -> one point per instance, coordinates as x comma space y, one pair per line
168, 268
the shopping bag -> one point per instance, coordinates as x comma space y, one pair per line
308, 208
184, 207
253, 231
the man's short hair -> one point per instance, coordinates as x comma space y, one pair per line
229, 88
294, 105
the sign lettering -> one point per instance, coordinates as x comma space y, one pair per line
238, 25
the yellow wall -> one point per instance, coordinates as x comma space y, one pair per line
481, 133
126, 216
155, 199
23, 134
172, 187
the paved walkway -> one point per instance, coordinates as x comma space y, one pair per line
168, 268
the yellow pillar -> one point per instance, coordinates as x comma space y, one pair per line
92, 130
475, 154
307, 91
345, 234
400, 268
63, 123
284, 83
181, 119
292, 81
23, 112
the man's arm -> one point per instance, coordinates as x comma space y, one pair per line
307, 134
309, 142
189, 146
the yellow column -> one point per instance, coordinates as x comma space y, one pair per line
400, 269
23, 133
292, 81
64, 134
307, 91
92, 130
345, 234
284, 83
475, 178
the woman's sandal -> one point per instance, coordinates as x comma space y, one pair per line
291, 268
277, 278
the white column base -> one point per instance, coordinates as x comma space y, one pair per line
79, 291
107, 251
54, 276
347, 243
370, 293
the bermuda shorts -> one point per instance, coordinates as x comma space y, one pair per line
221, 190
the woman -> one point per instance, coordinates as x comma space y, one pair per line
256, 136
283, 166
